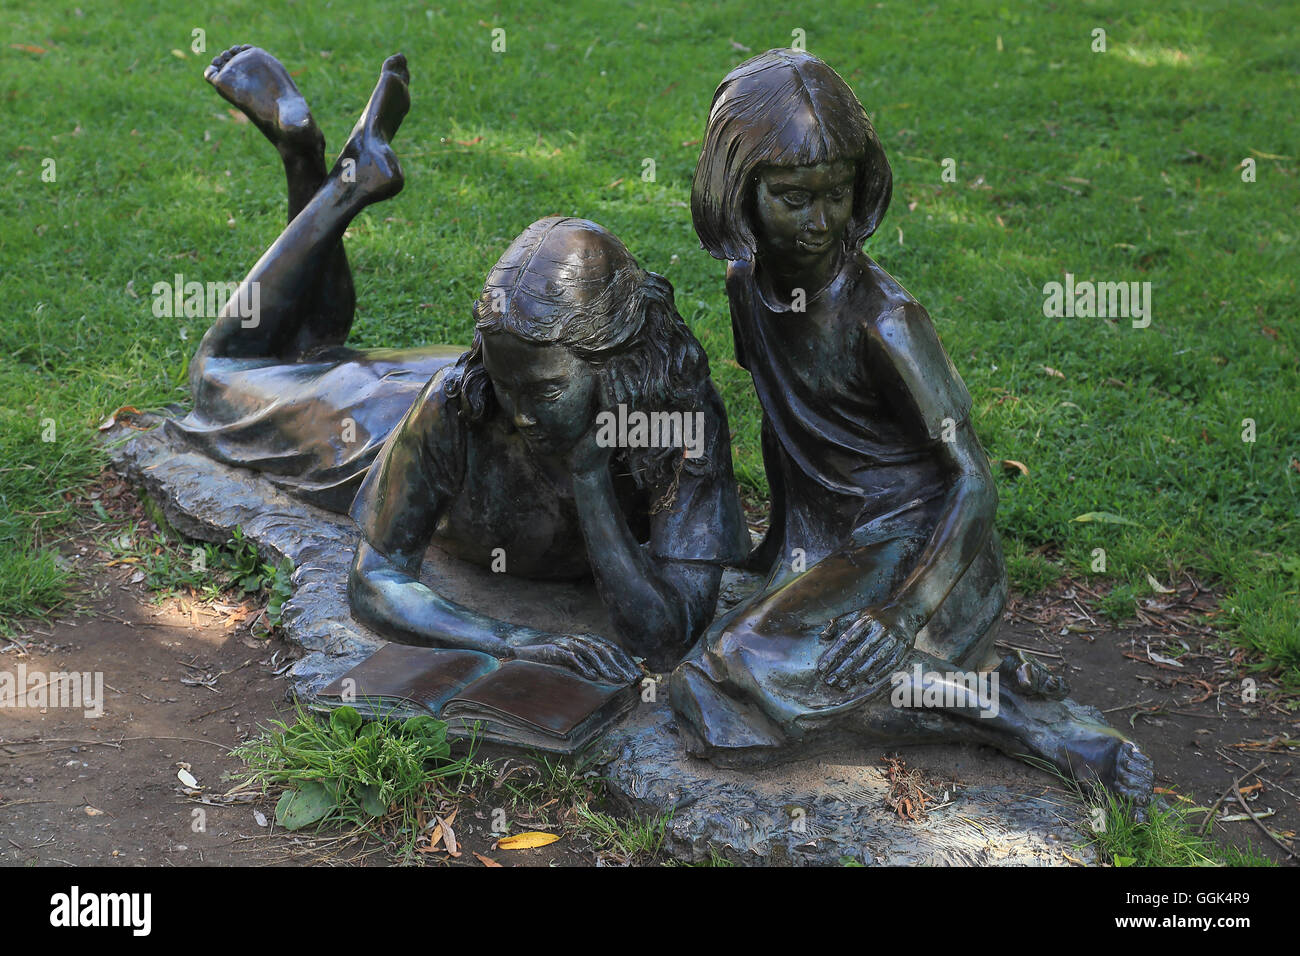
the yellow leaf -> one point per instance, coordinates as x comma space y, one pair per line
1012, 465
527, 841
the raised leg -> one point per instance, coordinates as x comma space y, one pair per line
255, 82
366, 172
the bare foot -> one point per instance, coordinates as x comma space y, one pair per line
1098, 755
1030, 678
367, 159
256, 82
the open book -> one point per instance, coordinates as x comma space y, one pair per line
512, 702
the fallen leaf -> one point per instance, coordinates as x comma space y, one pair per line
1010, 464
1161, 659
1104, 517
28, 48
1157, 586
111, 420
187, 778
434, 839
486, 861
449, 836
1055, 373
527, 841
259, 818
92, 812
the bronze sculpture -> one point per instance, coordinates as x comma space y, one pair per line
883, 564
882, 553
496, 451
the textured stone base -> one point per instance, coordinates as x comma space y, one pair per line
207, 500
820, 810
829, 809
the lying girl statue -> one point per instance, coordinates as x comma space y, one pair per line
494, 451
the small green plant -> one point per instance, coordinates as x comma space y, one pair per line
1119, 604
280, 588
1165, 838
345, 770
544, 778
204, 569
1027, 571
636, 840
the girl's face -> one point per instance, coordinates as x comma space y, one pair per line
549, 394
802, 212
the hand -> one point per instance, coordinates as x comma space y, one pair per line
587, 655
587, 456
865, 650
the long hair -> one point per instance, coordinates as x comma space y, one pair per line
782, 108
604, 308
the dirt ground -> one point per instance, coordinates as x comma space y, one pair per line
184, 682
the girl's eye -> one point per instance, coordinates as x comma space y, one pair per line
840, 193
796, 197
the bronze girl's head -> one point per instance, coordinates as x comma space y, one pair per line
787, 109
574, 325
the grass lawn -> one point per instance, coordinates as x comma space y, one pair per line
1123, 165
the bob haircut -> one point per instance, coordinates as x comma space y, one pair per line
588, 294
782, 108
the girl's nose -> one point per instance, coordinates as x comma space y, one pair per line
523, 420
816, 219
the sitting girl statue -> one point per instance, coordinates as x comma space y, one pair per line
882, 553
494, 451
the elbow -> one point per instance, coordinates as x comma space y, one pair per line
660, 637
363, 595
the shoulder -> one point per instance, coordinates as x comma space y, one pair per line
434, 422
904, 339
895, 321
880, 299
425, 451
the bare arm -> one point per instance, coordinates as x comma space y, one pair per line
386, 597
397, 509
961, 533
658, 607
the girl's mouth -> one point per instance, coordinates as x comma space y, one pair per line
813, 246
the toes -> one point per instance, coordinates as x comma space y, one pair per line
221, 59
224, 57
1135, 774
